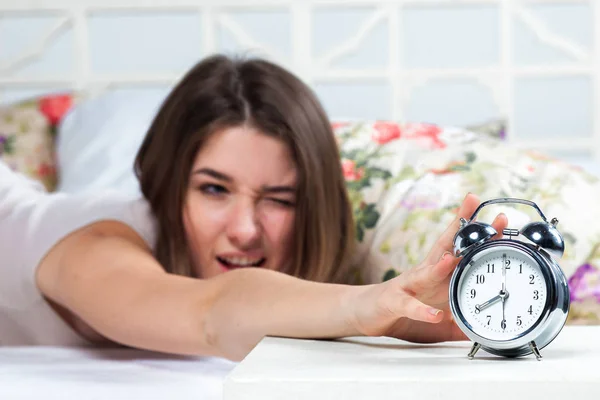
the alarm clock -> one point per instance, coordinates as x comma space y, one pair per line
509, 296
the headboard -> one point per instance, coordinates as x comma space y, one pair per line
535, 64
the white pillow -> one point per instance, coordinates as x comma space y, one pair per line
99, 139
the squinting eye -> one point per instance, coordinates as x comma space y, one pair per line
285, 203
213, 189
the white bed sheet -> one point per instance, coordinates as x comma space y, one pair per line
80, 373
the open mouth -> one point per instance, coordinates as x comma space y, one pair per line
240, 263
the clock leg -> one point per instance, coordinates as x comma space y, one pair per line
535, 350
474, 349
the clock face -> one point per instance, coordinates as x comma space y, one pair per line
501, 293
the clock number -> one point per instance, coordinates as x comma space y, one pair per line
473, 293
477, 310
480, 279
520, 268
503, 324
490, 268
531, 279
489, 317
519, 322
507, 263
530, 310
536, 295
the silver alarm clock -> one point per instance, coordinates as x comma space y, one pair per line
509, 296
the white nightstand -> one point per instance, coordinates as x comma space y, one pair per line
384, 368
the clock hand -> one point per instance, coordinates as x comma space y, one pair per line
500, 297
503, 323
486, 304
503, 290
503, 293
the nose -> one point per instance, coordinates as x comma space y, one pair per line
243, 229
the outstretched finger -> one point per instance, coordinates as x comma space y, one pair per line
443, 268
409, 307
446, 265
428, 276
499, 224
446, 240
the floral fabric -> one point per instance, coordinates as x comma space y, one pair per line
406, 182
27, 131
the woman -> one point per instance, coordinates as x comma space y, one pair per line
245, 230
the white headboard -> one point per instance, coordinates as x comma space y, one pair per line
534, 63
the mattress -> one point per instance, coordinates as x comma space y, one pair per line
64, 373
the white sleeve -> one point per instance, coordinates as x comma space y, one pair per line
32, 222
16, 188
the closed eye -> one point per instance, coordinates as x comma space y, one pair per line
212, 189
283, 202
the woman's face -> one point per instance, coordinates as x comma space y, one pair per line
240, 209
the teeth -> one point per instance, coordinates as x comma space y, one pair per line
241, 260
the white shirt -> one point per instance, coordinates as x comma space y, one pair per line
32, 221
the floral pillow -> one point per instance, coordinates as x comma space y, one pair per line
27, 132
406, 182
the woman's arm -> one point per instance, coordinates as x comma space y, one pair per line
107, 277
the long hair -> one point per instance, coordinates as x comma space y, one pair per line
221, 92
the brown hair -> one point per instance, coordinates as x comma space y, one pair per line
222, 92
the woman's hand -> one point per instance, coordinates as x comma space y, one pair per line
414, 306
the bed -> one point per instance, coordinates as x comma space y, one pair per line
443, 87
80, 373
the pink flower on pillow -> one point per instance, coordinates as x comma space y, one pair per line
55, 107
428, 131
585, 283
452, 168
385, 132
350, 172
419, 203
46, 170
338, 125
